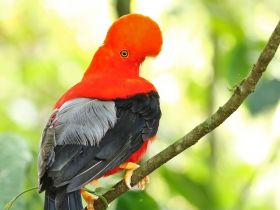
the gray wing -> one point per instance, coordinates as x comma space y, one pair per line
81, 121
84, 121
46, 152
97, 137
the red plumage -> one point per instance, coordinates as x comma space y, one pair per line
100, 80
113, 76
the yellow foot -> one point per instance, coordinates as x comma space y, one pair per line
129, 167
142, 183
89, 198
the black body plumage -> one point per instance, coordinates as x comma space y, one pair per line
66, 165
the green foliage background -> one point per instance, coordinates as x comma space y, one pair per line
209, 45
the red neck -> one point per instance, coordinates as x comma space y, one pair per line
109, 77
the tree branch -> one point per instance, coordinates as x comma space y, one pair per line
122, 7
241, 91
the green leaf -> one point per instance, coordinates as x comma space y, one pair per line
238, 64
199, 194
266, 96
14, 157
136, 201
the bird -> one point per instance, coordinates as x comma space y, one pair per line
104, 123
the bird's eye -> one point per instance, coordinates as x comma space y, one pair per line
124, 53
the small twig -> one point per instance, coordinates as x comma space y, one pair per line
11, 203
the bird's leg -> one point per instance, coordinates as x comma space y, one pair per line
129, 167
89, 198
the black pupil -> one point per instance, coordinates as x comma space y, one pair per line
124, 53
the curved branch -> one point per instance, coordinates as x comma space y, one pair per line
241, 91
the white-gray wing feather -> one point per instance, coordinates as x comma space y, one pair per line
84, 121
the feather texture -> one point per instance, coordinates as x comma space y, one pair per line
84, 121
106, 119
76, 159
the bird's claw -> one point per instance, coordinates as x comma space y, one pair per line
130, 168
142, 183
89, 198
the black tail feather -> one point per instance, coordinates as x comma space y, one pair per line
49, 201
60, 200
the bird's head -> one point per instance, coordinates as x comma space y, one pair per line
128, 42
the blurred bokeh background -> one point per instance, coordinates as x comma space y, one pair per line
209, 46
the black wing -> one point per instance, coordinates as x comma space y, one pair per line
74, 163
